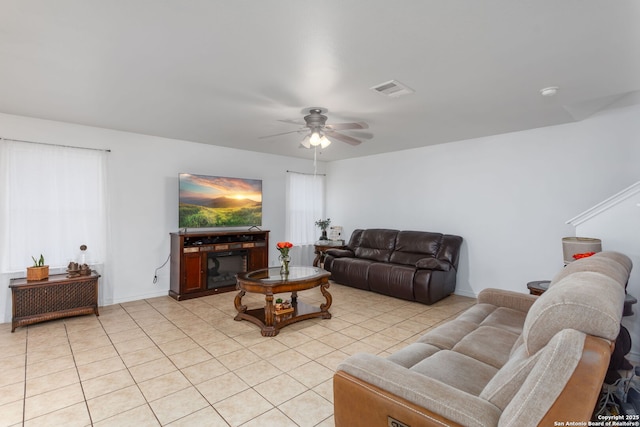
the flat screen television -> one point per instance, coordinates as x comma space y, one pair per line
217, 201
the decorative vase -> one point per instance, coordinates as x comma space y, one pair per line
324, 235
284, 264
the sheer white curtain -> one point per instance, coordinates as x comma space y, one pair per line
305, 205
52, 200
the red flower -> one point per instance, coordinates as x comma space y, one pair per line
584, 255
284, 247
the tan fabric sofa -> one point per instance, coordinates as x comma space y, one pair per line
512, 359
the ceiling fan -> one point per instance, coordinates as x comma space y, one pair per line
317, 129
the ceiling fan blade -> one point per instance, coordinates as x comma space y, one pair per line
343, 138
280, 134
293, 122
345, 126
361, 135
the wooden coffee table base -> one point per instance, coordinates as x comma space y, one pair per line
265, 317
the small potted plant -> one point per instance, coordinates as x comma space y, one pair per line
323, 224
38, 271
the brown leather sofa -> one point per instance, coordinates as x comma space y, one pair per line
512, 359
412, 265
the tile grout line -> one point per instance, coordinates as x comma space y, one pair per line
26, 361
84, 396
169, 358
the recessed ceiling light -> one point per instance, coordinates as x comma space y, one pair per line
549, 91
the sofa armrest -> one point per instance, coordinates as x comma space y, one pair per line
373, 375
340, 253
430, 263
509, 299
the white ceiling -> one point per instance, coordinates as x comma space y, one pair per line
225, 72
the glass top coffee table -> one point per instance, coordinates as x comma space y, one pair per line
269, 282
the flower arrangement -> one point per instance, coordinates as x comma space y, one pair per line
584, 255
323, 224
284, 247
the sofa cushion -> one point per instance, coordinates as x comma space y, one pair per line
457, 370
392, 279
618, 257
411, 246
376, 244
447, 335
475, 345
354, 271
569, 304
507, 319
413, 354
602, 264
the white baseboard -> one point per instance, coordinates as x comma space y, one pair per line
159, 293
465, 293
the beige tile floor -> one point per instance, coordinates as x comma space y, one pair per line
163, 362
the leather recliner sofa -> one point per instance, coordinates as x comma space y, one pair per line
412, 265
512, 359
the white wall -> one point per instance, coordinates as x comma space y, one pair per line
143, 196
508, 196
619, 229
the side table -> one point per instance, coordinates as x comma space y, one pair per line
52, 298
538, 287
321, 246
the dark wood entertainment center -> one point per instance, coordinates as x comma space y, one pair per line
205, 263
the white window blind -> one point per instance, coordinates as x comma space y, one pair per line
52, 200
305, 205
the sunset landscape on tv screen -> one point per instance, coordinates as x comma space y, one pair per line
216, 201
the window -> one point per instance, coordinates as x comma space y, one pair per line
305, 205
52, 200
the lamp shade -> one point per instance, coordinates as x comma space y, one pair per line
579, 245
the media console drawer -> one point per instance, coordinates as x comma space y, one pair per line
53, 298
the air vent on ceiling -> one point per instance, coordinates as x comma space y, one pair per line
392, 88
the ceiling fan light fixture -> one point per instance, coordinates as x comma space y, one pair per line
314, 139
305, 142
324, 142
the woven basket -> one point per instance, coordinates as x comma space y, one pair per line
37, 273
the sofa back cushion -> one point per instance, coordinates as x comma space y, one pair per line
423, 249
612, 264
414, 245
586, 301
355, 239
376, 244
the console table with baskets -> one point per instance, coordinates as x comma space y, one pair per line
53, 298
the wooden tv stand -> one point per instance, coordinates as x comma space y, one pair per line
196, 257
